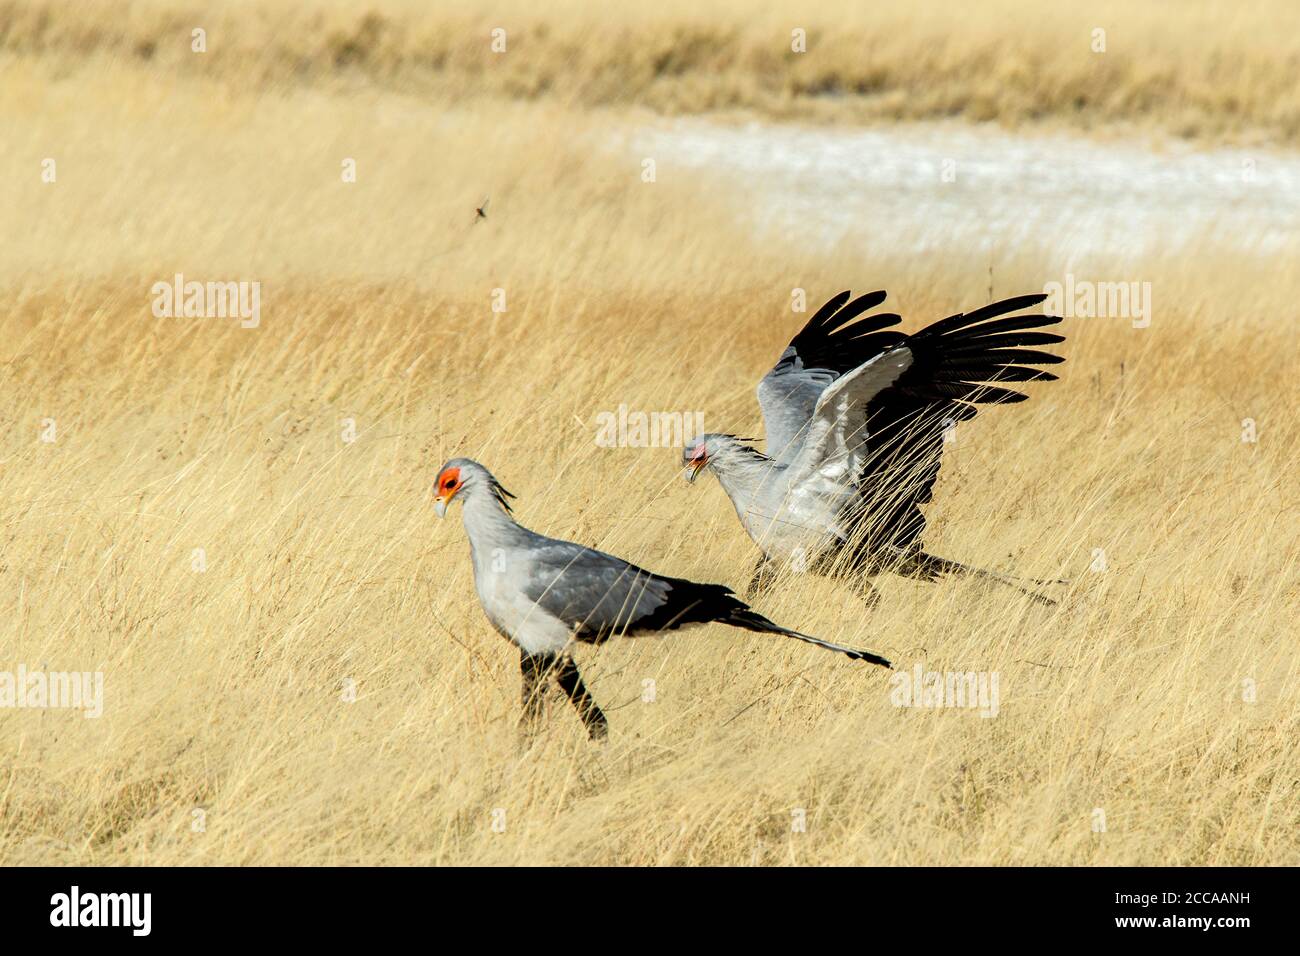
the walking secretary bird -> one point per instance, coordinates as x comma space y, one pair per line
857, 414
542, 594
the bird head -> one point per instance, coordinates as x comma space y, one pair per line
465, 475
701, 452
451, 480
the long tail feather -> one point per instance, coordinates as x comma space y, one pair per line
753, 621
933, 564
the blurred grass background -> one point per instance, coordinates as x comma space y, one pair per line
1203, 69
224, 689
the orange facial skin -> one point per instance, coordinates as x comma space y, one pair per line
448, 484
697, 461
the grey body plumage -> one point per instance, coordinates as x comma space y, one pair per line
544, 593
857, 415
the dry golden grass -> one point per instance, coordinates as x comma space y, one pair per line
1196, 68
325, 564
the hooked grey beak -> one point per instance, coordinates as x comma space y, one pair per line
440, 506
694, 467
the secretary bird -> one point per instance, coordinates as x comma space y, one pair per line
857, 415
542, 594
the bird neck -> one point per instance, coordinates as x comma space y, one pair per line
487, 523
741, 469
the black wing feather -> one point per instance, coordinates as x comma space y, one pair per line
954, 362
688, 602
825, 342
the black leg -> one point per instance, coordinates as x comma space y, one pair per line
592, 716
867, 591
534, 669
760, 580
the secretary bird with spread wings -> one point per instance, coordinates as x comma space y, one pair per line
856, 416
542, 594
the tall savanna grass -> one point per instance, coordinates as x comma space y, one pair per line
322, 686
